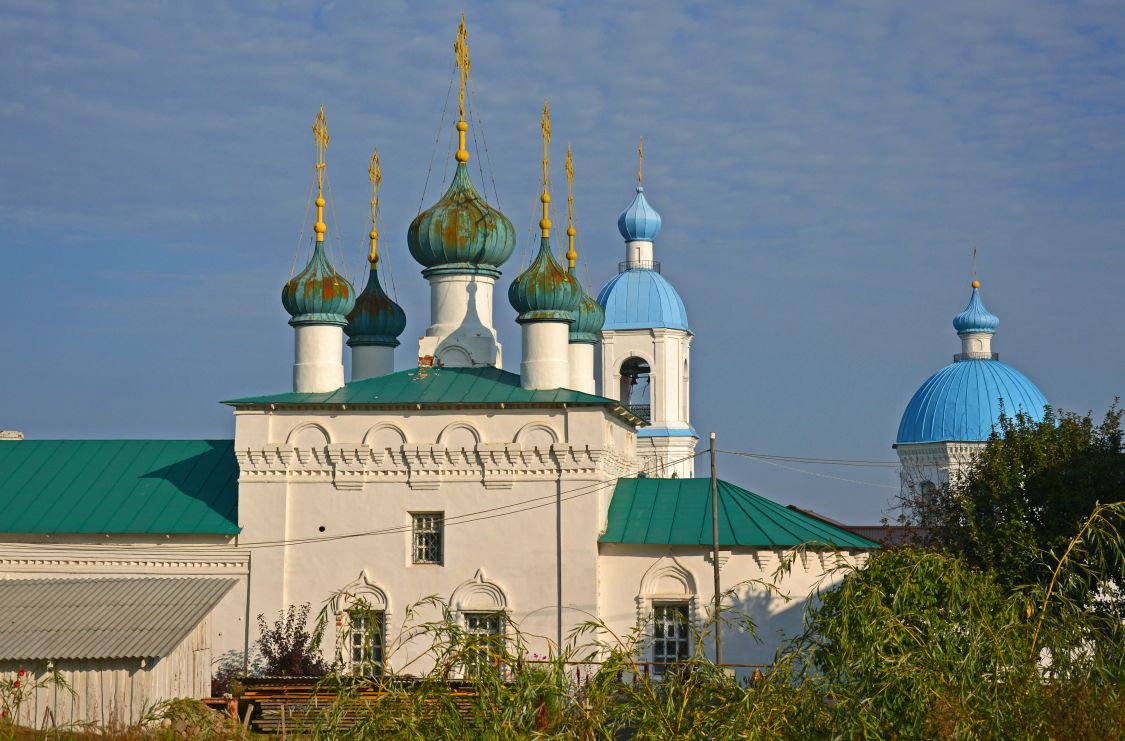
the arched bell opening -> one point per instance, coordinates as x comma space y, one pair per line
636, 387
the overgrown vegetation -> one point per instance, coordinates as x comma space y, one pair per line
1026, 494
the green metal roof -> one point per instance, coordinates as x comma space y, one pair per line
119, 486
678, 512
467, 387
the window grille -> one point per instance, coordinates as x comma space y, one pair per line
367, 629
670, 636
490, 627
428, 537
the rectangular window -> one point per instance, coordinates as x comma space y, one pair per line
428, 536
367, 630
490, 626
670, 636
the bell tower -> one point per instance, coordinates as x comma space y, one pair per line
646, 345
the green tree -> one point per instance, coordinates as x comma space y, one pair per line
1026, 493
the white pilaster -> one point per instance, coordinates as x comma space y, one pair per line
461, 332
639, 251
581, 356
371, 361
546, 361
976, 345
318, 364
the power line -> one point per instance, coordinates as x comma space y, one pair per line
814, 473
807, 459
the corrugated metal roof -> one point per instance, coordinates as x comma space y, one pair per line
678, 512
466, 387
51, 619
119, 486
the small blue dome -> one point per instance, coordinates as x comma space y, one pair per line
961, 402
975, 318
642, 299
640, 220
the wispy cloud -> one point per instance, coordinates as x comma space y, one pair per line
822, 170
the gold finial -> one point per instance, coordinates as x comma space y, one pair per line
461, 53
641, 161
375, 175
571, 255
545, 222
976, 284
320, 134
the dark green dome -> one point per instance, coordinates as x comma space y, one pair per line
588, 317
318, 294
544, 292
461, 232
376, 318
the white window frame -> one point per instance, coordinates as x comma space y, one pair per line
500, 633
369, 664
662, 658
418, 556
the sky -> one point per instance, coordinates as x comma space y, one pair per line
823, 171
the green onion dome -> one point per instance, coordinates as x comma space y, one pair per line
544, 292
588, 318
318, 294
376, 318
461, 233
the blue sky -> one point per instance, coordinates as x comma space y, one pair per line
822, 171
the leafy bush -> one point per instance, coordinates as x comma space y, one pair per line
286, 646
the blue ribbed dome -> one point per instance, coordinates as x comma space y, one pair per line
376, 318
961, 402
318, 294
975, 318
642, 299
640, 220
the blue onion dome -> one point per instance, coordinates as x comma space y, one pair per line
642, 299
544, 292
589, 318
318, 294
376, 318
975, 318
640, 220
461, 232
962, 402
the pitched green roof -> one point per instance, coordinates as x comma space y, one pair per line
467, 387
119, 486
678, 512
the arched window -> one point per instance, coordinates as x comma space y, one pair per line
636, 382
362, 613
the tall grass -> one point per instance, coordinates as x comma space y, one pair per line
912, 644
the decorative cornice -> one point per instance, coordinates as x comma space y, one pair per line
351, 466
110, 559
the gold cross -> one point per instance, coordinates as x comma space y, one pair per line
461, 53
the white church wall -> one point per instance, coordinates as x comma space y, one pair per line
633, 578
309, 478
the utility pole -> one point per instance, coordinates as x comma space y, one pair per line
715, 554
558, 564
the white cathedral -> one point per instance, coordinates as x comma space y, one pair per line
538, 500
